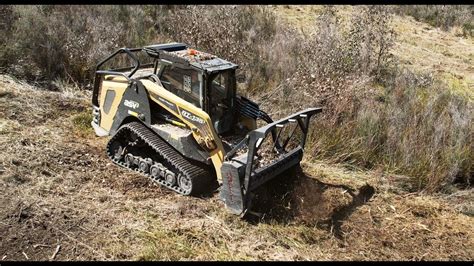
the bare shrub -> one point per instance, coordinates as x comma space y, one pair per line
66, 42
370, 39
241, 34
335, 61
7, 17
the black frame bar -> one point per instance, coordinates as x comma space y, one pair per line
119, 71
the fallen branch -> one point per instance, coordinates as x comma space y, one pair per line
24, 254
56, 252
41, 245
19, 214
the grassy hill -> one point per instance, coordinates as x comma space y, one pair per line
419, 46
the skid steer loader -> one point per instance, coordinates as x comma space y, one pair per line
173, 114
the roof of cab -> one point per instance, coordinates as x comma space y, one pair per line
181, 53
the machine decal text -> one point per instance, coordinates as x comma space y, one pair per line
192, 117
131, 104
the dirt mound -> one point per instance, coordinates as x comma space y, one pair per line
296, 198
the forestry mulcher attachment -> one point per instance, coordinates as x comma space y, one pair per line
178, 120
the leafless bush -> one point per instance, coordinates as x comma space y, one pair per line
336, 60
51, 42
7, 16
241, 34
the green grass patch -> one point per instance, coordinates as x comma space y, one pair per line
460, 86
82, 123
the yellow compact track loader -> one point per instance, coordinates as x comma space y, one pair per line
178, 120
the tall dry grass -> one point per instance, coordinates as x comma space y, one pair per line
412, 127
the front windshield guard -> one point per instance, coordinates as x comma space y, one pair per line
219, 88
220, 92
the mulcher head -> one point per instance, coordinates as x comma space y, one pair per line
261, 156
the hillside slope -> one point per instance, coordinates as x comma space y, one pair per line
58, 189
418, 46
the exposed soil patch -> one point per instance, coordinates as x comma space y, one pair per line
296, 198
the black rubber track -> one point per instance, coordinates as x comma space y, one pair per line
201, 178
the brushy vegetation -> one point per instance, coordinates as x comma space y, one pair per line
443, 16
412, 126
44, 43
377, 114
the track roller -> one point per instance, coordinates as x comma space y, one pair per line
129, 160
144, 165
170, 177
155, 171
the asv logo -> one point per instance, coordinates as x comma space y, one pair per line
192, 117
131, 104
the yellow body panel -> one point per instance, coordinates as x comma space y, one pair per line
205, 135
119, 88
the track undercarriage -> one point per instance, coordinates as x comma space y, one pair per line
137, 148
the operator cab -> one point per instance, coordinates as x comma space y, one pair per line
200, 78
